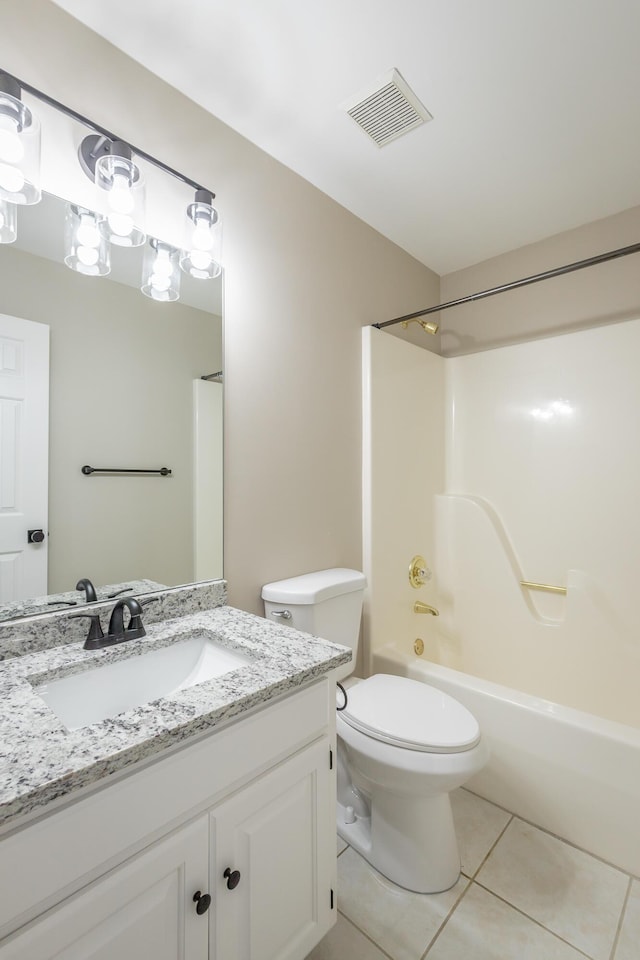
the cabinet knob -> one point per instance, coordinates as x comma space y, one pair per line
203, 900
232, 877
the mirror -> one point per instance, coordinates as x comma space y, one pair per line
125, 393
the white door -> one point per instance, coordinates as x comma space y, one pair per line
24, 457
142, 910
276, 901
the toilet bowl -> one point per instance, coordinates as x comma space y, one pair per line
402, 745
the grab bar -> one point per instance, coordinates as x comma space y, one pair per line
548, 587
162, 472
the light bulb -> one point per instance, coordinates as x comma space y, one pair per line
200, 259
120, 199
88, 234
161, 272
162, 265
202, 236
11, 179
160, 282
121, 224
11, 147
86, 249
87, 255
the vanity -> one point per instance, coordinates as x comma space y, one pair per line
198, 825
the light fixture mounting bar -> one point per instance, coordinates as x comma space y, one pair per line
45, 98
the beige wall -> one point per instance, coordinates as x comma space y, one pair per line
302, 276
605, 293
122, 372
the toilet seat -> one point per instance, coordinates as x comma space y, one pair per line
410, 714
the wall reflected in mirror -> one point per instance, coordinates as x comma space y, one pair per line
126, 391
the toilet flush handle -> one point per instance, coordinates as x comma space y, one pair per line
282, 614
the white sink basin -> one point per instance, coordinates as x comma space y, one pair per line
103, 692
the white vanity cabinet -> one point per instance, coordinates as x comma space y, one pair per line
275, 840
245, 816
136, 911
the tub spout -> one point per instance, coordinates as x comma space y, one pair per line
420, 607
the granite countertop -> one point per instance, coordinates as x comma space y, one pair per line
74, 598
40, 760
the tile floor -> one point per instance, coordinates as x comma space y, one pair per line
523, 895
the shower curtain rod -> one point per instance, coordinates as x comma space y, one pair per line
515, 284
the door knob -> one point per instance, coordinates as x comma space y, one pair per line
203, 901
35, 536
232, 877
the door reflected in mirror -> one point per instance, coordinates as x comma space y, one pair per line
125, 394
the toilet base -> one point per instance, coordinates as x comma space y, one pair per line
410, 841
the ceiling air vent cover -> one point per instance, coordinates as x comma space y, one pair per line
388, 110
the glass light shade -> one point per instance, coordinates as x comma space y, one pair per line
85, 245
8, 222
161, 271
201, 256
121, 192
19, 152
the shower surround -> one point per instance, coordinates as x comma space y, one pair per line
520, 463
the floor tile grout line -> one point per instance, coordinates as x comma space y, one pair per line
621, 920
557, 836
446, 919
473, 879
533, 920
493, 846
491, 802
575, 846
366, 935
435, 936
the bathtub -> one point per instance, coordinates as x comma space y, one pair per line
572, 773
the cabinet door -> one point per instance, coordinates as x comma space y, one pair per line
279, 833
142, 909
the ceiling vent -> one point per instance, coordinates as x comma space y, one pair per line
387, 110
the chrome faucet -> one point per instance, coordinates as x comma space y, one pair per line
420, 607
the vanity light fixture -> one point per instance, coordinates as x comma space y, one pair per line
8, 222
120, 187
86, 249
119, 210
201, 255
19, 146
161, 271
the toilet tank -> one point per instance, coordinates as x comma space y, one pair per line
327, 603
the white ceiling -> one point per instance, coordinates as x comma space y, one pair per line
536, 105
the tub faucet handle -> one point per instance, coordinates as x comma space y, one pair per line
419, 572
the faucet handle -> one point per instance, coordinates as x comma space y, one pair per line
419, 572
95, 635
136, 626
116, 593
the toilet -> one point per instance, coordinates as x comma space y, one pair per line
403, 745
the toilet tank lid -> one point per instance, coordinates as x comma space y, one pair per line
314, 587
